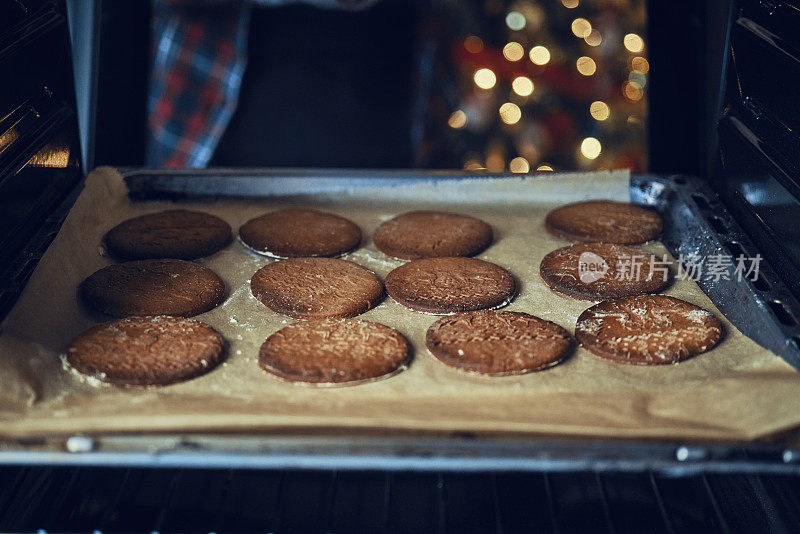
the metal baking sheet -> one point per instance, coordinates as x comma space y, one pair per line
397, 191
696, 223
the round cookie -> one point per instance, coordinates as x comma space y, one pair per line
497, 343
295, 233
444, 286
316, 288
599, 271
604, 221
145, 351
334, 351
153, 287
181, 234
647, 330
431, 234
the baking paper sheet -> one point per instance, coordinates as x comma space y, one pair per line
737, 391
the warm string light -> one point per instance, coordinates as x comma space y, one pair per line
485, 78
524, 21
586, 66
632, 91
519, 165
522, 85
510, 113
540, 55
581, 28
473, 44
457, 120
633, 43
594, 38
513, 51
591, 148
599, 110
640, 64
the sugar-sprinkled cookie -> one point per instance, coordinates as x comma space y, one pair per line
599, 271
334, 351
647, 330
444, 286
429, 234
146, 351
604, 221
316, 288
497, 342
294, 233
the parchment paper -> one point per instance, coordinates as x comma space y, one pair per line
737, 391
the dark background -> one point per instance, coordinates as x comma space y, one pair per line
303, 59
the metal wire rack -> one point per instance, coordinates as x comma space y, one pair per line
115, 499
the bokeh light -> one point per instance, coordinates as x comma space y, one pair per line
599, 110
522, 85
519, 165
640, 64
510, 113
594, 38
638, 78
457, 120
633, 43
513, 51
540, 55
581, 102
581, 28
485, 78
473, 44
515, 20
632, 91
591, 148
586, 66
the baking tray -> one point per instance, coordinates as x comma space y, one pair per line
696, 223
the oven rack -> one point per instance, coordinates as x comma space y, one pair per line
52, 499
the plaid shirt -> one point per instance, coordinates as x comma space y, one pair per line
199, 57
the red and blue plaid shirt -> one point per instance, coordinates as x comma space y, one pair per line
199, 57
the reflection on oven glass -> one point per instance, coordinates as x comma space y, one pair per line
52, 155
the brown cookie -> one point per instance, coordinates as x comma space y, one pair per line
604, 221
599, 271
153, 287
647, 330
432, 234
444, 286
333, 351
295, 233
181, 234
145, 351
497, 342
316, 288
